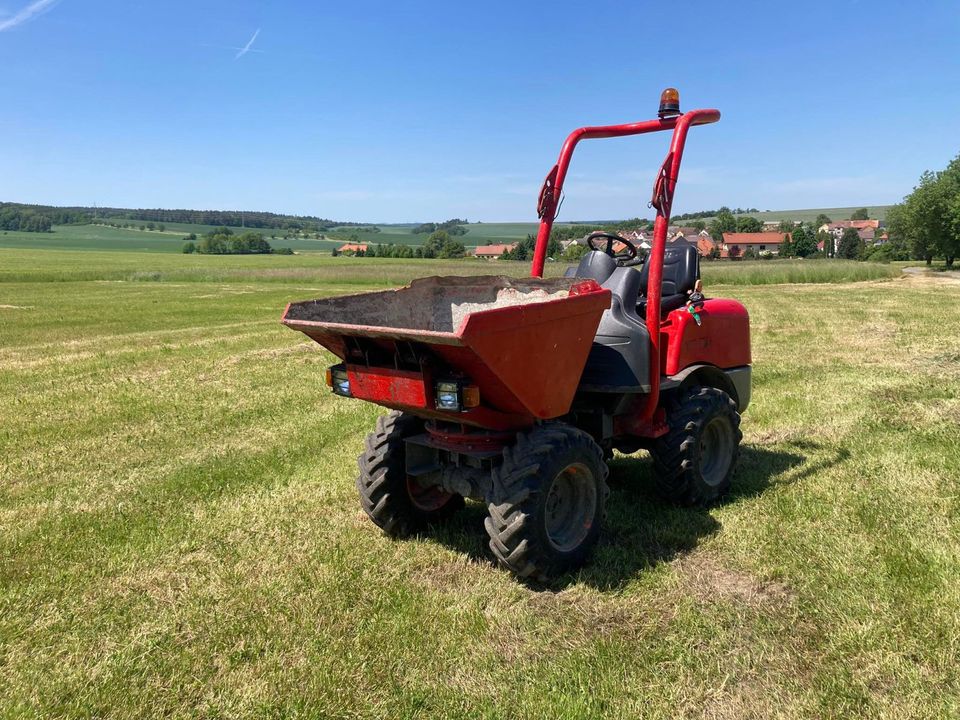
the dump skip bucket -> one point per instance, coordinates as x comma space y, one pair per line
524, 343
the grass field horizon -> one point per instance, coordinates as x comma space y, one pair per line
102, 236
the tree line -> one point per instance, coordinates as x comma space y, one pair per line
23, 220
439, 245
223, 241
451, 227
254, 219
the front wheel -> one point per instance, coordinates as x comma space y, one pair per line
548, 504
695, 460
395, 501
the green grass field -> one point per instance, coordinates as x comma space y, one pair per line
181, 537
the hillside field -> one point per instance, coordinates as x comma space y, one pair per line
877, 212
181, 534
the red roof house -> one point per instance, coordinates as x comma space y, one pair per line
735, 244
353, 247
492, 252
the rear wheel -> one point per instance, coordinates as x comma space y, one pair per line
548, 504
695, 460
395, 501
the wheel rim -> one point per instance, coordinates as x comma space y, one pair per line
716, 450
570, 507
426, 498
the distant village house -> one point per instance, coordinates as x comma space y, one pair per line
491, 252
736, 244
352, 248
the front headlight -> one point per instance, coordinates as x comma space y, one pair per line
456, 396
339, 381
448, 396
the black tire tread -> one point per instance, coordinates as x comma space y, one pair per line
676, 469
516, 486
382, 479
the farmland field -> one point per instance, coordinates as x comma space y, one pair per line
104, 237
180, 533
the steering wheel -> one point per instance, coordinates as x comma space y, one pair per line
624, 257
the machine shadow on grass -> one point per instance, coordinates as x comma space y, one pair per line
641, 530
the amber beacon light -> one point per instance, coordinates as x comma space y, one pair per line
669, 103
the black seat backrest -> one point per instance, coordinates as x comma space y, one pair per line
596, 265
624, 285
681, 270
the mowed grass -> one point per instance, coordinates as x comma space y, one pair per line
181, 537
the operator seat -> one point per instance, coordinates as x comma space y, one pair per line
595, 264
619, 355
681, 270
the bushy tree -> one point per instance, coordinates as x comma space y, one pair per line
928, 220
574, 252
749, 225
441, 245
803, 242
851, 246
189, 247
822, 220
724, 222
861, 214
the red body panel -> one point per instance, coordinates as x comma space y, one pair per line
722, 339
503, 350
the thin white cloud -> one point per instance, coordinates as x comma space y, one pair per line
37, 7
246, 48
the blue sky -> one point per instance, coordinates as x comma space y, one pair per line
417, 111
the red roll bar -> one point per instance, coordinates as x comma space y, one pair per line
662, 201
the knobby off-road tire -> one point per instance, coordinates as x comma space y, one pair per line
395, 502
548, 501
694, 462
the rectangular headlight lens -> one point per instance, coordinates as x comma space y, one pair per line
448, 396
340, 382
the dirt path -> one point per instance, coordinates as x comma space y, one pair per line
950, 276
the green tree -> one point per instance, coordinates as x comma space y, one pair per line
822, 220
723, 222
574, 252
189, 247
749, 224
803, 242
452, 249
437, 239
786, 247
861, 214
851, 246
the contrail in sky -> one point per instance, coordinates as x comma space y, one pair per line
246, 48
31, 11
